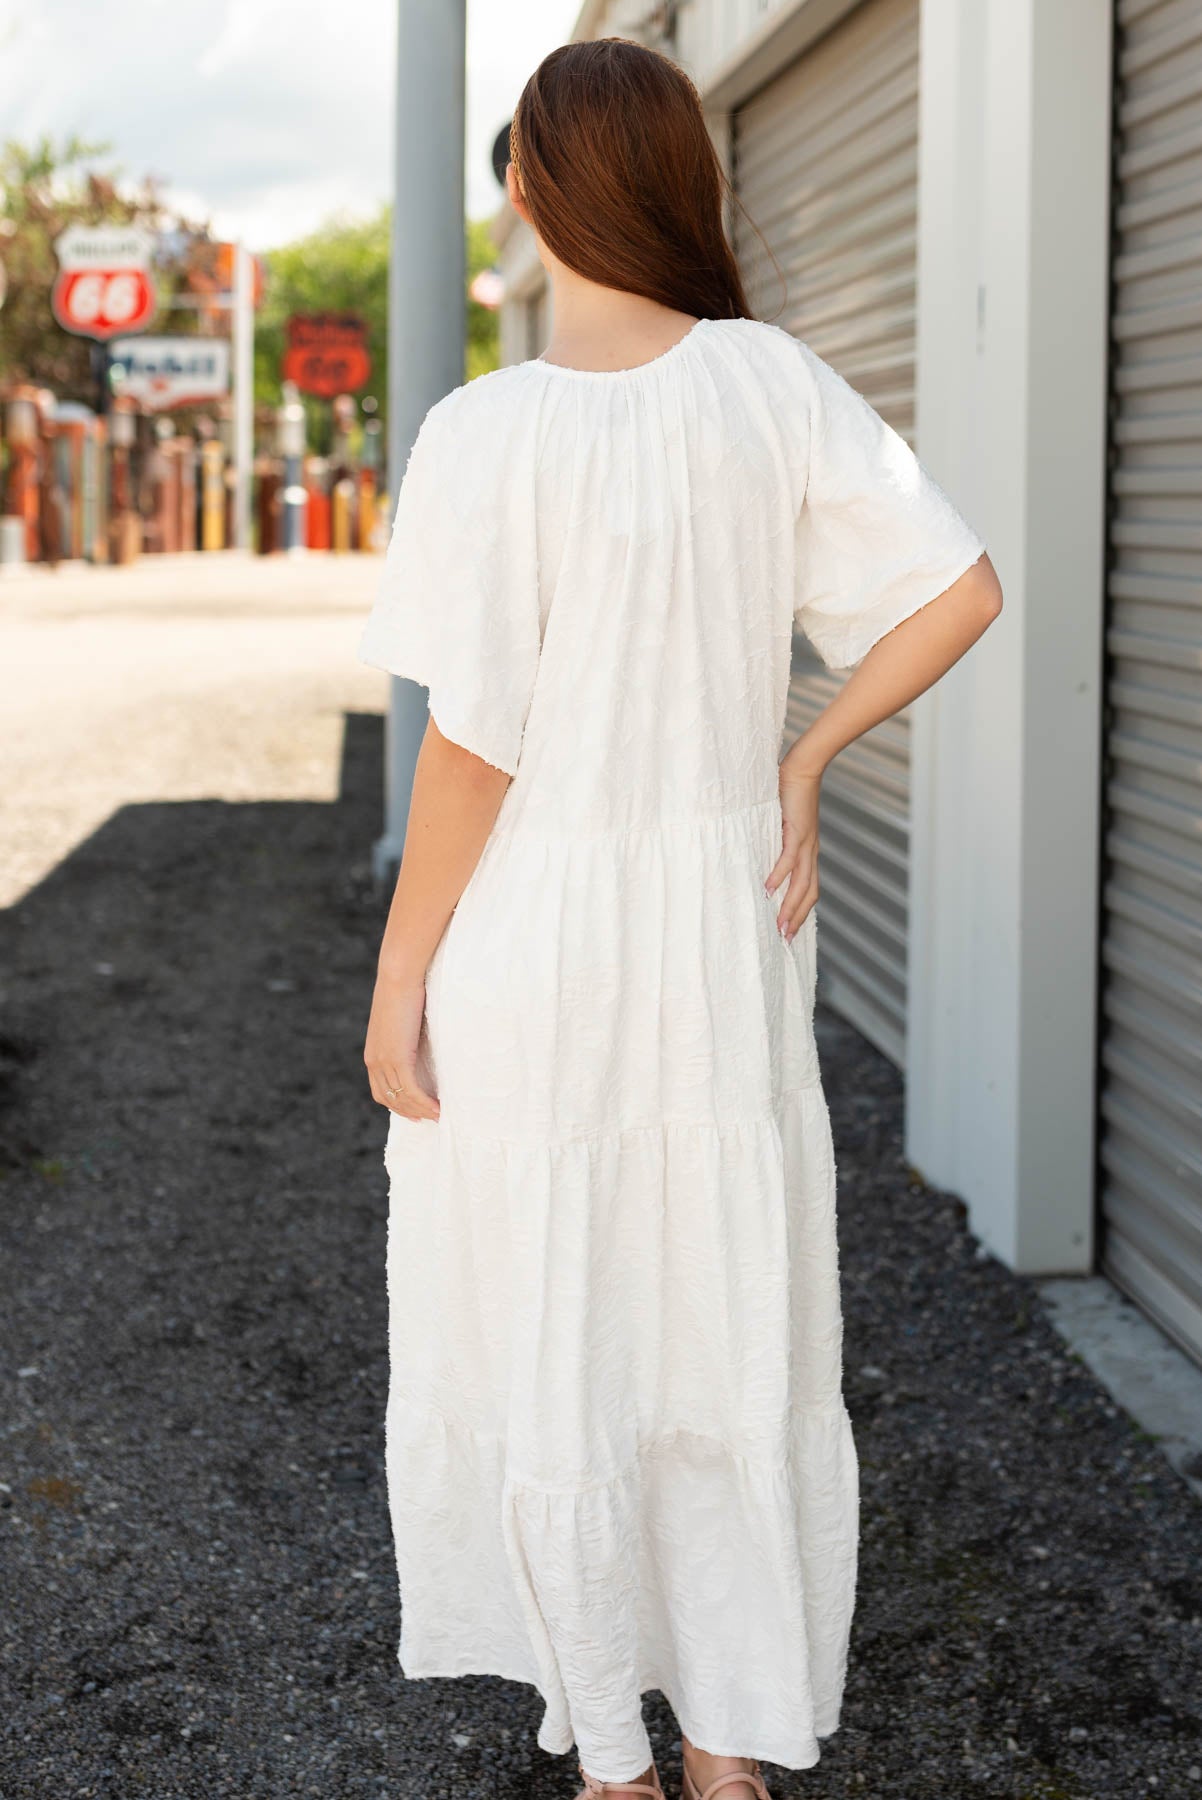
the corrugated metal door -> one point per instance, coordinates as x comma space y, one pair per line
1150, 1135
825, 161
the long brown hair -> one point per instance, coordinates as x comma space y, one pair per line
623, 184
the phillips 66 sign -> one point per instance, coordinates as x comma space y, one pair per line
103, 284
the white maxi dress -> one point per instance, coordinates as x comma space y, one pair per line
617, 1450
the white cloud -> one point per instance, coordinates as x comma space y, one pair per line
267, 115
505, 43
250, 26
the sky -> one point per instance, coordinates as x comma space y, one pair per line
267, 116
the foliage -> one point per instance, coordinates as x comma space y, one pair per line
344, 266
44, 188
483, 346
49, 185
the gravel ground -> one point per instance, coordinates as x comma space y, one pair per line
197, 1590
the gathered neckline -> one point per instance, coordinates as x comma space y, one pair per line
653, 362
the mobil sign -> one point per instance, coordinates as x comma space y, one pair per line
172, 371
103, 285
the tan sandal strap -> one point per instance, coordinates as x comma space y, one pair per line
595, 1790
750, 1777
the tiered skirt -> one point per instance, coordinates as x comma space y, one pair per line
618, 1455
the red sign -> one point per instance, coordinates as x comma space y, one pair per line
100, 303
327, 353
103, 284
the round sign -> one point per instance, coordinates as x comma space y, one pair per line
326, 372
327, 353
100, 303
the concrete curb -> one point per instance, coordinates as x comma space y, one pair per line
1140, 1368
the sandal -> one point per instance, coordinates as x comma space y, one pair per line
749, 1777
596, 1790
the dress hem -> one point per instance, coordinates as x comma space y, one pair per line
558, 1743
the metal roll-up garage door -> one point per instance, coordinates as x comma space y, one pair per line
825, 160
1150, 1130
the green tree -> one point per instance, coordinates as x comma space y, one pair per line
483, 345
343, 266
50, 185
44, 188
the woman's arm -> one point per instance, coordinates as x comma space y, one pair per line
900, 666
456, 798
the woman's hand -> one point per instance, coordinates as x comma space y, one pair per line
455, 801
798, 861
391, 1051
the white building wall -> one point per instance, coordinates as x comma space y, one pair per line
524, 306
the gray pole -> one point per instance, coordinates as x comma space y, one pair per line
426, 307
244, 391
291, 446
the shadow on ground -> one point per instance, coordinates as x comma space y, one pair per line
198, 1586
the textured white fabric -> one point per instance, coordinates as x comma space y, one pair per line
618, 1454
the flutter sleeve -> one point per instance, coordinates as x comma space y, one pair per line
876, 536
457, 606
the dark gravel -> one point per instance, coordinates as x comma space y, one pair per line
198, 1593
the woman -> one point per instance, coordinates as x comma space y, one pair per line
618, 1455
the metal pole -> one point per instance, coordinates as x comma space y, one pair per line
292, 450
426, 306
244, 391
102, 358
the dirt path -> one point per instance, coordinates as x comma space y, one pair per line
181, 678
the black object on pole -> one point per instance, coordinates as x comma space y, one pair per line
499, 156
101, 364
